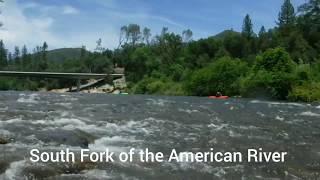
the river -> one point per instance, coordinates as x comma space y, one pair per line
51, 122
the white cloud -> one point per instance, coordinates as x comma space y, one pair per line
48, 25
19, 30
70, 10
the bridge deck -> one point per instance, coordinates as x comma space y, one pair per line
57, 75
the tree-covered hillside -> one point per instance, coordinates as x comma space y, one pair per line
281, 63
63, 54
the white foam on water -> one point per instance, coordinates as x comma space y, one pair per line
97, 174
67, 105
32, 98
14, 171
41, 146
309, 113
189, 111
234, 134
159, 102
217, 127
65, 113
126, 177
69, 98
277, 103
116, 139
4, 109
221, 172
284, 135
70, 124
130, 126
318, 107
279, 118
11, 121
62, 123
247, 127
103, 144
261, 114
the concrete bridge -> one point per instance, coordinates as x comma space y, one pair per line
58, 75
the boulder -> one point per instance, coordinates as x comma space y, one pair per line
4, 140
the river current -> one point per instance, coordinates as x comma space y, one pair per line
51, 122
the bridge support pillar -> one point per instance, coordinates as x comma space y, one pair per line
78, 85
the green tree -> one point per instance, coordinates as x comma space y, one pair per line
262, 31
287, 14
24, 57
3, 55
123, 37
275, 60
17, 57
221, 76
309, 23
263, 40
83, 53
311, 11
99, 47
44, 59
169, 46
272, 75
134, 33
146, 35
10, 58
187, 35
247, 27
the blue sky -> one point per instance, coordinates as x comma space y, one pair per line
72, 23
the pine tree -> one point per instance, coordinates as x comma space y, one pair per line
44, 61
24, 57
247, 27
262, 31
16, 56
83, 52
3, 55
263, 40
287, 14
10, 58
311, 11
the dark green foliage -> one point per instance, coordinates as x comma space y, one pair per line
3, 56
247, 27
160, 86
220, 76
275, 60
287, 14
64, 54
272, 75
308, 92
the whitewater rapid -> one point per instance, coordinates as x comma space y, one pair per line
51, 122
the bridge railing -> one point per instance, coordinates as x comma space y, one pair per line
58, 75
